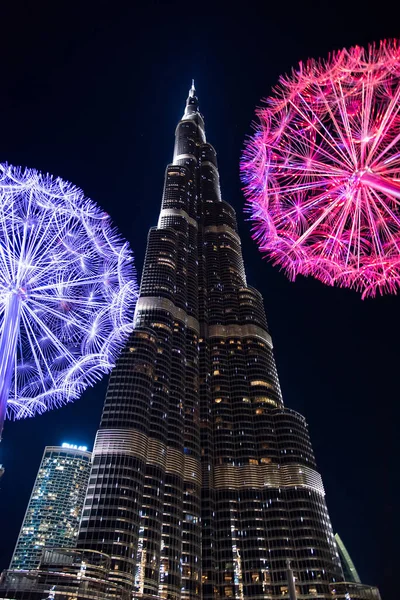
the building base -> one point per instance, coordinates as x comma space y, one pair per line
63, 574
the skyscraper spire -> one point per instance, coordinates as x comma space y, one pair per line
192, 107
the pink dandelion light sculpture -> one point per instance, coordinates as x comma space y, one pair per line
322, 170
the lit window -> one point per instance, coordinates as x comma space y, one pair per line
266, 577
261, 382
284, 590
312, 590
265, 400
161, 326
191, 518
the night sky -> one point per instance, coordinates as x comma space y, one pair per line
92, 93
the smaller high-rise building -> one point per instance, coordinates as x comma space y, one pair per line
54, 510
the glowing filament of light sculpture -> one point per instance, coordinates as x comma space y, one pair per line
67, 292
322, 171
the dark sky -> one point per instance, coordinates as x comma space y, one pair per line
93, 92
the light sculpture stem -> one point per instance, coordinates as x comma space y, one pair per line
8, 347
380, 183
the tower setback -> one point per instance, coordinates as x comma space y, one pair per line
203, 484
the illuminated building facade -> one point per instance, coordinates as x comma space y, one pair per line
350, 590
55, 506
63, 574
203, 485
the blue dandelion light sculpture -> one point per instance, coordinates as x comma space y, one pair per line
67, 292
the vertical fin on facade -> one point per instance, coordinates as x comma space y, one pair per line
349, 570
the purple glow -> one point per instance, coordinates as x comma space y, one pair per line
67, 292
322, 171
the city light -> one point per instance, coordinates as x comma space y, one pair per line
74, 447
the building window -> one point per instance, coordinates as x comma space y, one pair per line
261, 382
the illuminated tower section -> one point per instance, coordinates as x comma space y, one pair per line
144, 495
203, 484
55, 506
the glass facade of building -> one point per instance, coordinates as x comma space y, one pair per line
349, 570
354, 591
203, 484
63, 574
55, 506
